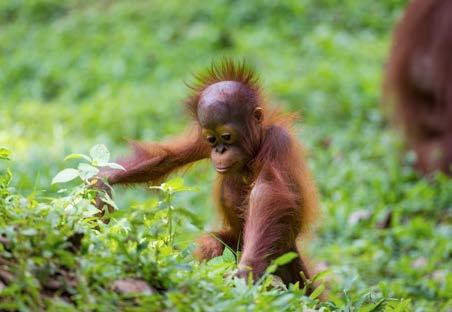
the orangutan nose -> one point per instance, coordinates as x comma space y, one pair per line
220, 148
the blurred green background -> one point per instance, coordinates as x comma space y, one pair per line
77, 73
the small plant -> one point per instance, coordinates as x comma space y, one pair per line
55, 254
99, 157
168, 189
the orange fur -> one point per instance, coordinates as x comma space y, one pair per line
266, 205
419, 82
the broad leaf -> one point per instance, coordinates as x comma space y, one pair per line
109, 201
115, 166
87, 171
78, 156
228, 255
66, 175
216, 261
175, 185
285, 258
321, 276
90, 211
317, 292
100, 154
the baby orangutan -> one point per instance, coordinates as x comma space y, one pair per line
265, 194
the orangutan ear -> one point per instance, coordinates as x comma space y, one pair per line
258, 114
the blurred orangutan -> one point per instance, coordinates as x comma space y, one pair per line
419, 81
264, 191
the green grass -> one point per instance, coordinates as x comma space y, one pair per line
77, 73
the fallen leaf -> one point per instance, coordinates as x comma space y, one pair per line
359, 215
131, 285
419, 263
5, 276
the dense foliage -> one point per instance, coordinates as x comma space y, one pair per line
75, 73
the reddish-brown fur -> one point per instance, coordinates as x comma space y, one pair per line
267, 204
419, 80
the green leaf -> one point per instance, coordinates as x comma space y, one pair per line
66, 175
285, 299
285, 258
318, 291
100, 154
271, 268
90, 211
78, 156
109, 201
228, 255
176, 185
216, 261
281, 260
4, 153
115, 166
87, 171
321, 276
378, 306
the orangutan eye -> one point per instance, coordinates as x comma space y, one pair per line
226, 137
211, 139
